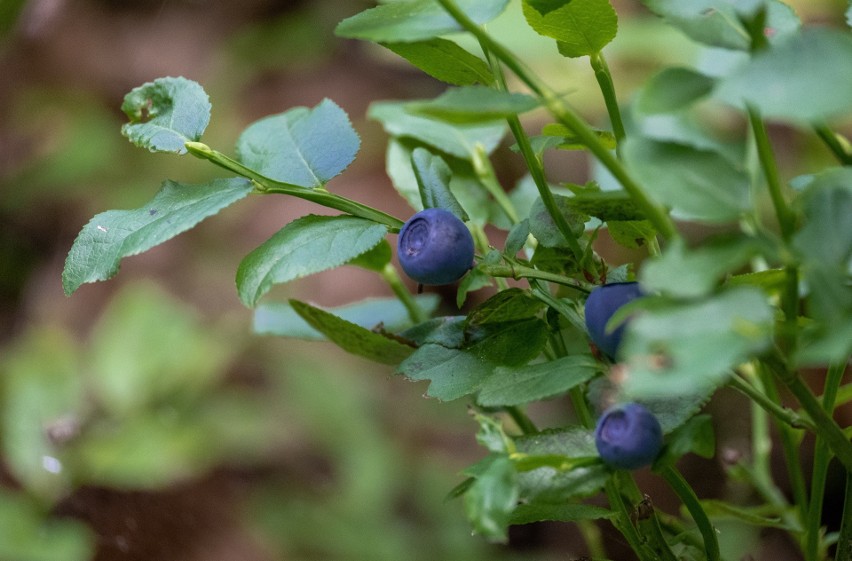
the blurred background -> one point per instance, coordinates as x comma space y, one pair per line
140, 418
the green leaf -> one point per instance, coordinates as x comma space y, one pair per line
492, 497
165, 114
375, 259
453, 373
753, 516
551, 485
307, 245
27, 534
444, 60
544, 7
821, 56
353, 338
720, 22
695, 436
303, 147
527, 513
433, 178
474, 104
605, 205
632, 234
511, 304
672, 89
279, 318
557, 135
115, 234
414, 20
459, 140
492, 436
674, 349
697, 184
690, 273
517, 238
516, 386
544, 229
582, 27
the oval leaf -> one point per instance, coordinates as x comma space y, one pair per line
582, 27
474, 104
303, 247
517, 386
433, 179
444, 60
115, 234
304, 147
165, 114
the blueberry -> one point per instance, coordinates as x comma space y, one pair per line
601, 304
628, 436
435, 247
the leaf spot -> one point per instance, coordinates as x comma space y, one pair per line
102, 229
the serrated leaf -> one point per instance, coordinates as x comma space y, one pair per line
115, 234
444, 60
543, 227
697, 184
690, 273
544, 7
307, 245
677, 350
492, 497
718, 22
516, 386
453, 373
353, 338
458, 140
303, 147
672, 89
375, 259
821, 56
474, 104
166, 114
278, 318
414, 20
528, 513
433, 179
507, 305
606, 205
581, 27
517, 238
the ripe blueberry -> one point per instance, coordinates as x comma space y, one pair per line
601, 304
628, 436
435, 247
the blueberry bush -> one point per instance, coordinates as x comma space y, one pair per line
763, 297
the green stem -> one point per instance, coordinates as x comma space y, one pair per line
518, 272
485, 172
827, 428
844, 541
690, 500
782, 414
814, 549
522, 420
559, 109
604, 78
839, 146
316, 195
786, 218
415, 313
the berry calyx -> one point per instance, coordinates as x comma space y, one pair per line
435, 247
628, 436
601, 304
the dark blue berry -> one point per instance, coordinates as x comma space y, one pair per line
628, 436
601, 304
435, 247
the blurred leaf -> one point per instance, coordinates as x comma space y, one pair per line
375, 259
821, 56
166, 114
444, 60
278, 318
474, 104
632, 234
528, 513
698, 184
433, 179
492, 497
770, 280
303, 147
544, 229
414, 20
719, 22
533, 382
147, 347
557, 135
671, 89
582, 27
115, 234
41, 390
28, 534
353, 338
492, 436
507, 305
694, 436
474, 280
690, 273
753, 516
605, 205
458, 140
517, 238
687, 348
307, 245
